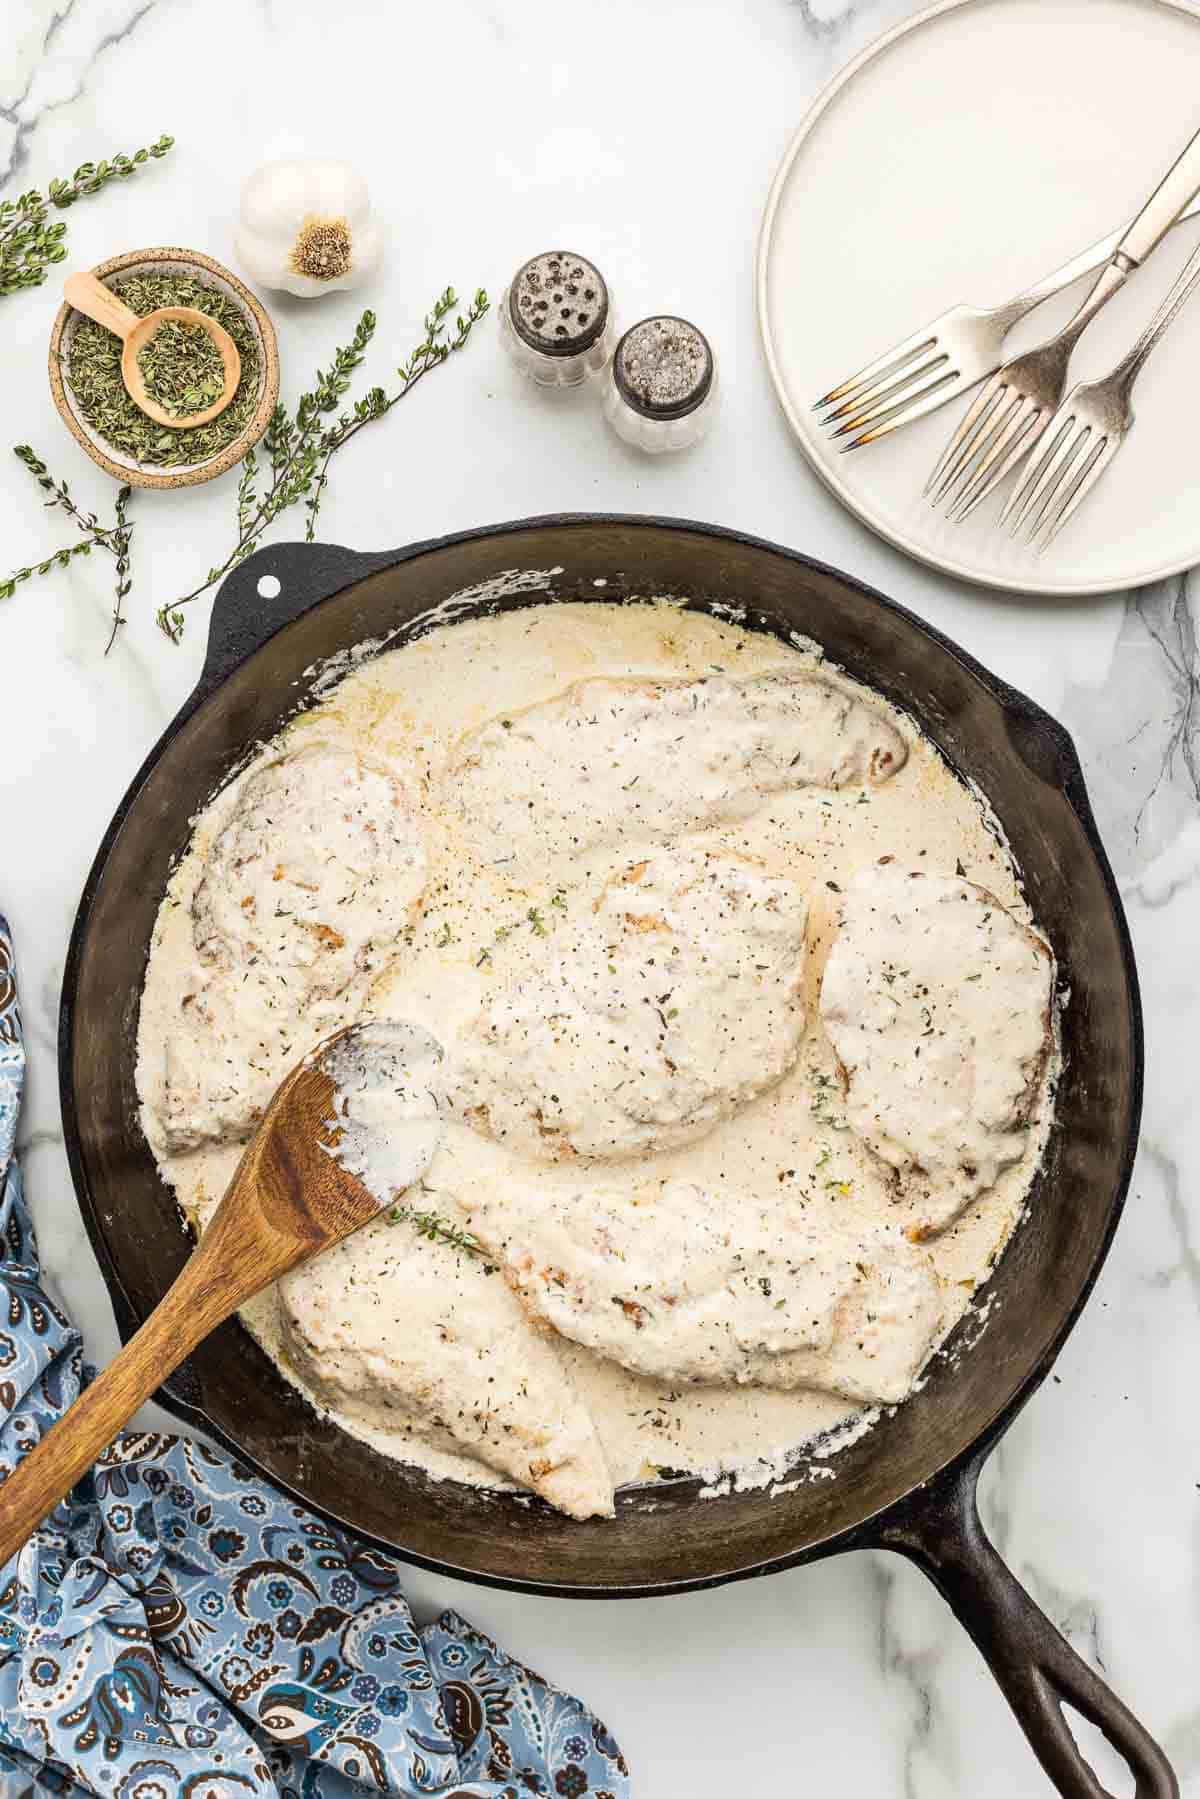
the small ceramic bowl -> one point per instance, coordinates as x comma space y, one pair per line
140, 474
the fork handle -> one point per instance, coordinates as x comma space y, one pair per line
1177, 189
1130, 366
1086, 263
1174, 192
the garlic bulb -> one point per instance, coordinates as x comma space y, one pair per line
306, 226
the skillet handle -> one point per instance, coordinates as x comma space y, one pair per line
1034, 1665
306, 573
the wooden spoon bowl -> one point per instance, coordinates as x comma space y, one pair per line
289, 1199
90, 296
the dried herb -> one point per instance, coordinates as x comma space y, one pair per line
182, 368
114, 538
301, 446
93, 368
29, 244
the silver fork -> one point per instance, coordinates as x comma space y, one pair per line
946, 357
1009, 416
1088, 429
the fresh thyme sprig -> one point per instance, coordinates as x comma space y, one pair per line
114, 538
60, 559
300, 447
437, 1230
245, 492
121, 550
29, 244
90, 177
60, 495
429, 354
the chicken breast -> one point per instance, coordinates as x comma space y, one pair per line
307, 889
684, 1283
642, 762
939, 1005
672, 1004
414, 1334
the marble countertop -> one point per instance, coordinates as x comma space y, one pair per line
487, 133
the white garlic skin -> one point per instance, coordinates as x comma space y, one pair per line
278, 199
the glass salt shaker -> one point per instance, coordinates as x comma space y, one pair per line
661, 391
556, 319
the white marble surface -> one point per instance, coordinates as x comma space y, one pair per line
490, 130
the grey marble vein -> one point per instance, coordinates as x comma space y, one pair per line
1139, 733
11, 113
24, 121
913, 1669
1075, 1615
1187, 1266
829, 23
824, 21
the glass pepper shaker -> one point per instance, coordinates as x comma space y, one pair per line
556, 319
661, 391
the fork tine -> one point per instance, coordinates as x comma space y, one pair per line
1091, 472
960, 444
879, 397
898, 409
985, 440
1054, 467
928, 400
883, 367
1022, 434
1032, 481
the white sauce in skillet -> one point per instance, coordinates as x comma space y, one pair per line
753, 1126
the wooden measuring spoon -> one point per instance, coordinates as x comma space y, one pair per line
289, 1200
89, 295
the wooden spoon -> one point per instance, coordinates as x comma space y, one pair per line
89, 295
289, 1200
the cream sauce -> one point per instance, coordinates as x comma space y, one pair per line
668, 1003
485, 926
684, 1284
613, 762
283, 945
939, 1004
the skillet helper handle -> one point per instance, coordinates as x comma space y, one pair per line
1034, 1665
298, 577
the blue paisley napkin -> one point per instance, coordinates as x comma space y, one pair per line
177, 1630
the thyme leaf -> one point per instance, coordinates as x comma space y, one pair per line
435, 1229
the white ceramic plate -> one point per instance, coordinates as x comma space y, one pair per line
961, 158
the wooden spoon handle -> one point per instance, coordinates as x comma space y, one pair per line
89, 295
67, 1451
226, 1268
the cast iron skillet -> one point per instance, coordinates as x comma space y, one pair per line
909, 1485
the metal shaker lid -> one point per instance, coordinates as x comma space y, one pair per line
558, 303
663, 367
